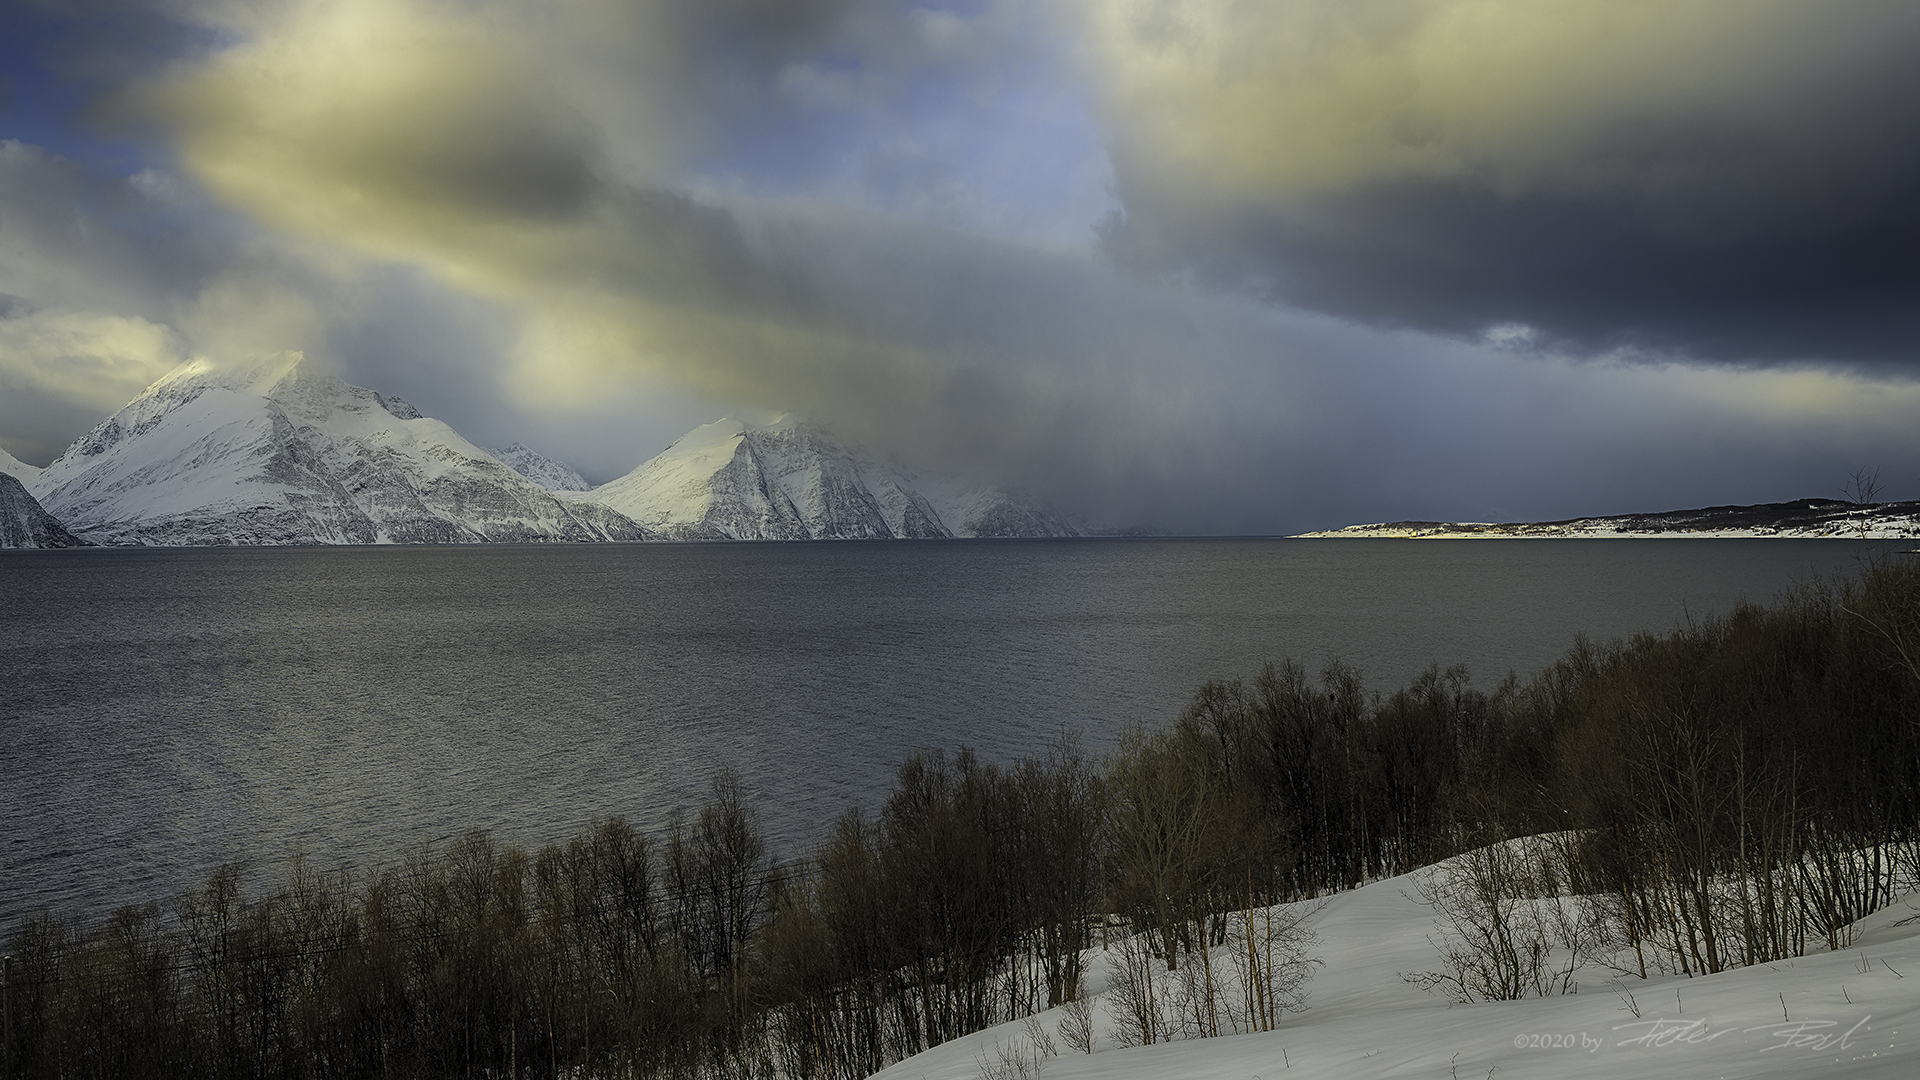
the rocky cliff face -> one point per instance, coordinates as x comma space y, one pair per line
24, 523
792, 481
279, 452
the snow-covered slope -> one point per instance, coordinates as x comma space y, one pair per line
1851, 1015
24, 523
992, 512
541, 469
279, 452
791, 481
18, 469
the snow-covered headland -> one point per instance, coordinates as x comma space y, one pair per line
1800, 519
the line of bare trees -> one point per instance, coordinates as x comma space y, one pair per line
610, 951
1723, 794
968, 901
965, 902
1751, 783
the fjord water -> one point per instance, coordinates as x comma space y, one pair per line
168, 709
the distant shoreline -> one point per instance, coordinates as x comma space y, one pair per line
1801, 519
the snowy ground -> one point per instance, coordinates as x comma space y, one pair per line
1852, 1014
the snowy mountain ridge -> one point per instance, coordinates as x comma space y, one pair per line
280, 452
790, 480
547, 472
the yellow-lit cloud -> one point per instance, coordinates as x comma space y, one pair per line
240, 316
441, 134
395, 127
1283, 101
86, 359
1828, 406
479, 143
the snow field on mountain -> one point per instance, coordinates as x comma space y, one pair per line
539, 468
1849, 1015
18, 469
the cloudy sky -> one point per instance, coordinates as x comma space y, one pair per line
1208, 265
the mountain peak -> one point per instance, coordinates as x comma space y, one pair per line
260, 372
792, 480
547, 472
274, 368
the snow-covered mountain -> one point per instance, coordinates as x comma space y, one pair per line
24, 523
279, 452
791, 481
541, 469
991, 512
1800, 519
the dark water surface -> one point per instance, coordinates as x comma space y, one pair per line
164, 710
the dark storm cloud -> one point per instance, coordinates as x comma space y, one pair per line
1726, 182
1585, 276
